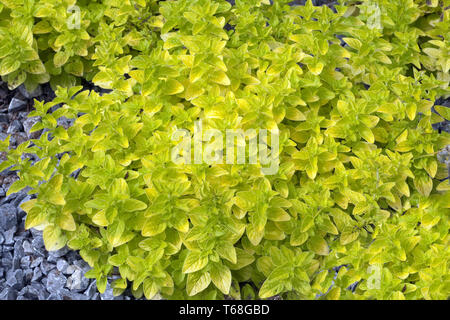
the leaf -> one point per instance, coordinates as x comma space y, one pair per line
35, 217
366, 133
318, 245
67, 222
153, 226
254, 235
348, 237
194, 261
131, 205
221, 277
56, 198
270, 288
193, 91
334, 294
354, 43
173, 87
443, 111
197, 282
114, 233
60, 58
150, 288
243, 259
423, 184
9, 65
298, 238
16, 187
294, 114
277, 214
100, 218
227, 251
53, 238
316, 68
220, 77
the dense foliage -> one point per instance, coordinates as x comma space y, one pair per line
350, 91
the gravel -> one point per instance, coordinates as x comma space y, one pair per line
27, 270
17, 104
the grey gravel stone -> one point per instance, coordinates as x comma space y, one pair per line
18, 252
71, 269
62, 265
30, 95
2, 238
52, 259
38, 247
55, 281
36, 291
7, 248
37, 275
9, 235
7, 263
28, 124
26, 245
65, 122
36, 262
91, 290
83, 265
4, 118
96, 296
38, 242
25, 262
16, 105
14, 127
54, 296
77, 282
14, 279
8, 217
19, 198
46, 267
8, 294
28, 275
58, 253
69, 295
108, 294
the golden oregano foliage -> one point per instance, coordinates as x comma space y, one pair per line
350, 91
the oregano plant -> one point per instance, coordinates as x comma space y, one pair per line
358, 207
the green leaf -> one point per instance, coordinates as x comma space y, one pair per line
318, 245
9, 65
153, 226
221, 277
131, 205
173, 87
270, 288
220, 77
197, 282
150, 288
53, 238
67, 222
227, 251
195, 261
60, 58
443, 111
354, 43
